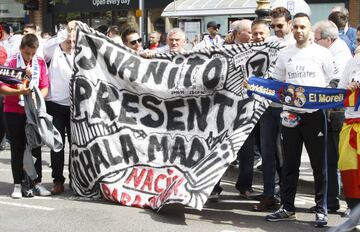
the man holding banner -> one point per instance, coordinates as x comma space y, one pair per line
306, 64
271, 150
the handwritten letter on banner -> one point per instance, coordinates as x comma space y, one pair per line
148, 132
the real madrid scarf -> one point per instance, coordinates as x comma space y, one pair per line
303, 96
11, 76
35, 74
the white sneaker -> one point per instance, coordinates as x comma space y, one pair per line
40, 190
16, 194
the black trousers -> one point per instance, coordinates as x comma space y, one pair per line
335, 122
61, 120
2, 122
15, 129
312, 132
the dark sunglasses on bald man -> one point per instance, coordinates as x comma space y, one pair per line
280, 26
139, 40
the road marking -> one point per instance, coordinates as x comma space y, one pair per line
58, 198
237, 201
26, 206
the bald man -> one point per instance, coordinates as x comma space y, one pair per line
304, 64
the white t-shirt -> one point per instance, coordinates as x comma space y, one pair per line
341, 53
309, 66
286, 40
60, 69
208, 42
351, 74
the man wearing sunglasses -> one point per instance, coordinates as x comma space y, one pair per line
213, 39
281, 24
132, 39
271, 150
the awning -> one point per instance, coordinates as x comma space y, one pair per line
294, 6
244, 8
193, 8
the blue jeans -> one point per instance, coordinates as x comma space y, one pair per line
270, 147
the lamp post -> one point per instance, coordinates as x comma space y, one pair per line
140, 14
263, 9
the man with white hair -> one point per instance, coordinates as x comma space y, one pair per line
154, 40
241, 32
175, 42
326, 34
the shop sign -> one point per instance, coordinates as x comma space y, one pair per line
98, 3
11, 9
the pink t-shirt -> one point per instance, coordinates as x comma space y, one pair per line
11, 103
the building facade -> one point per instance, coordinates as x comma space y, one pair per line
123, 13
49, 16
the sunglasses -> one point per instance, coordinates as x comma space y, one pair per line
139, 40
280, 26
358, 40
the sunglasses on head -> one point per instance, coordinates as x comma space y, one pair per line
139, 40
280, 26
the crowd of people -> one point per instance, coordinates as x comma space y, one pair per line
320, 55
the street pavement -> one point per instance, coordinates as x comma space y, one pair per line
67, 212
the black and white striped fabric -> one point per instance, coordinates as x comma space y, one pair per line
149, 132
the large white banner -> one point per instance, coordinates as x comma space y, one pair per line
148, 132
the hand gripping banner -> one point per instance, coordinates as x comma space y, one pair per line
303, 96
148, 132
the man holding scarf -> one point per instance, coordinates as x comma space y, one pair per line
15, 117
306, 64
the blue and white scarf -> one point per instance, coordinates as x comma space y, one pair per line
34, 81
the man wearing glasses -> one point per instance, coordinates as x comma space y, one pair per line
281, 24
270, 120
326, 34
132, 39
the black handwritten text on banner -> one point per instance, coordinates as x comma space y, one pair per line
147, 132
